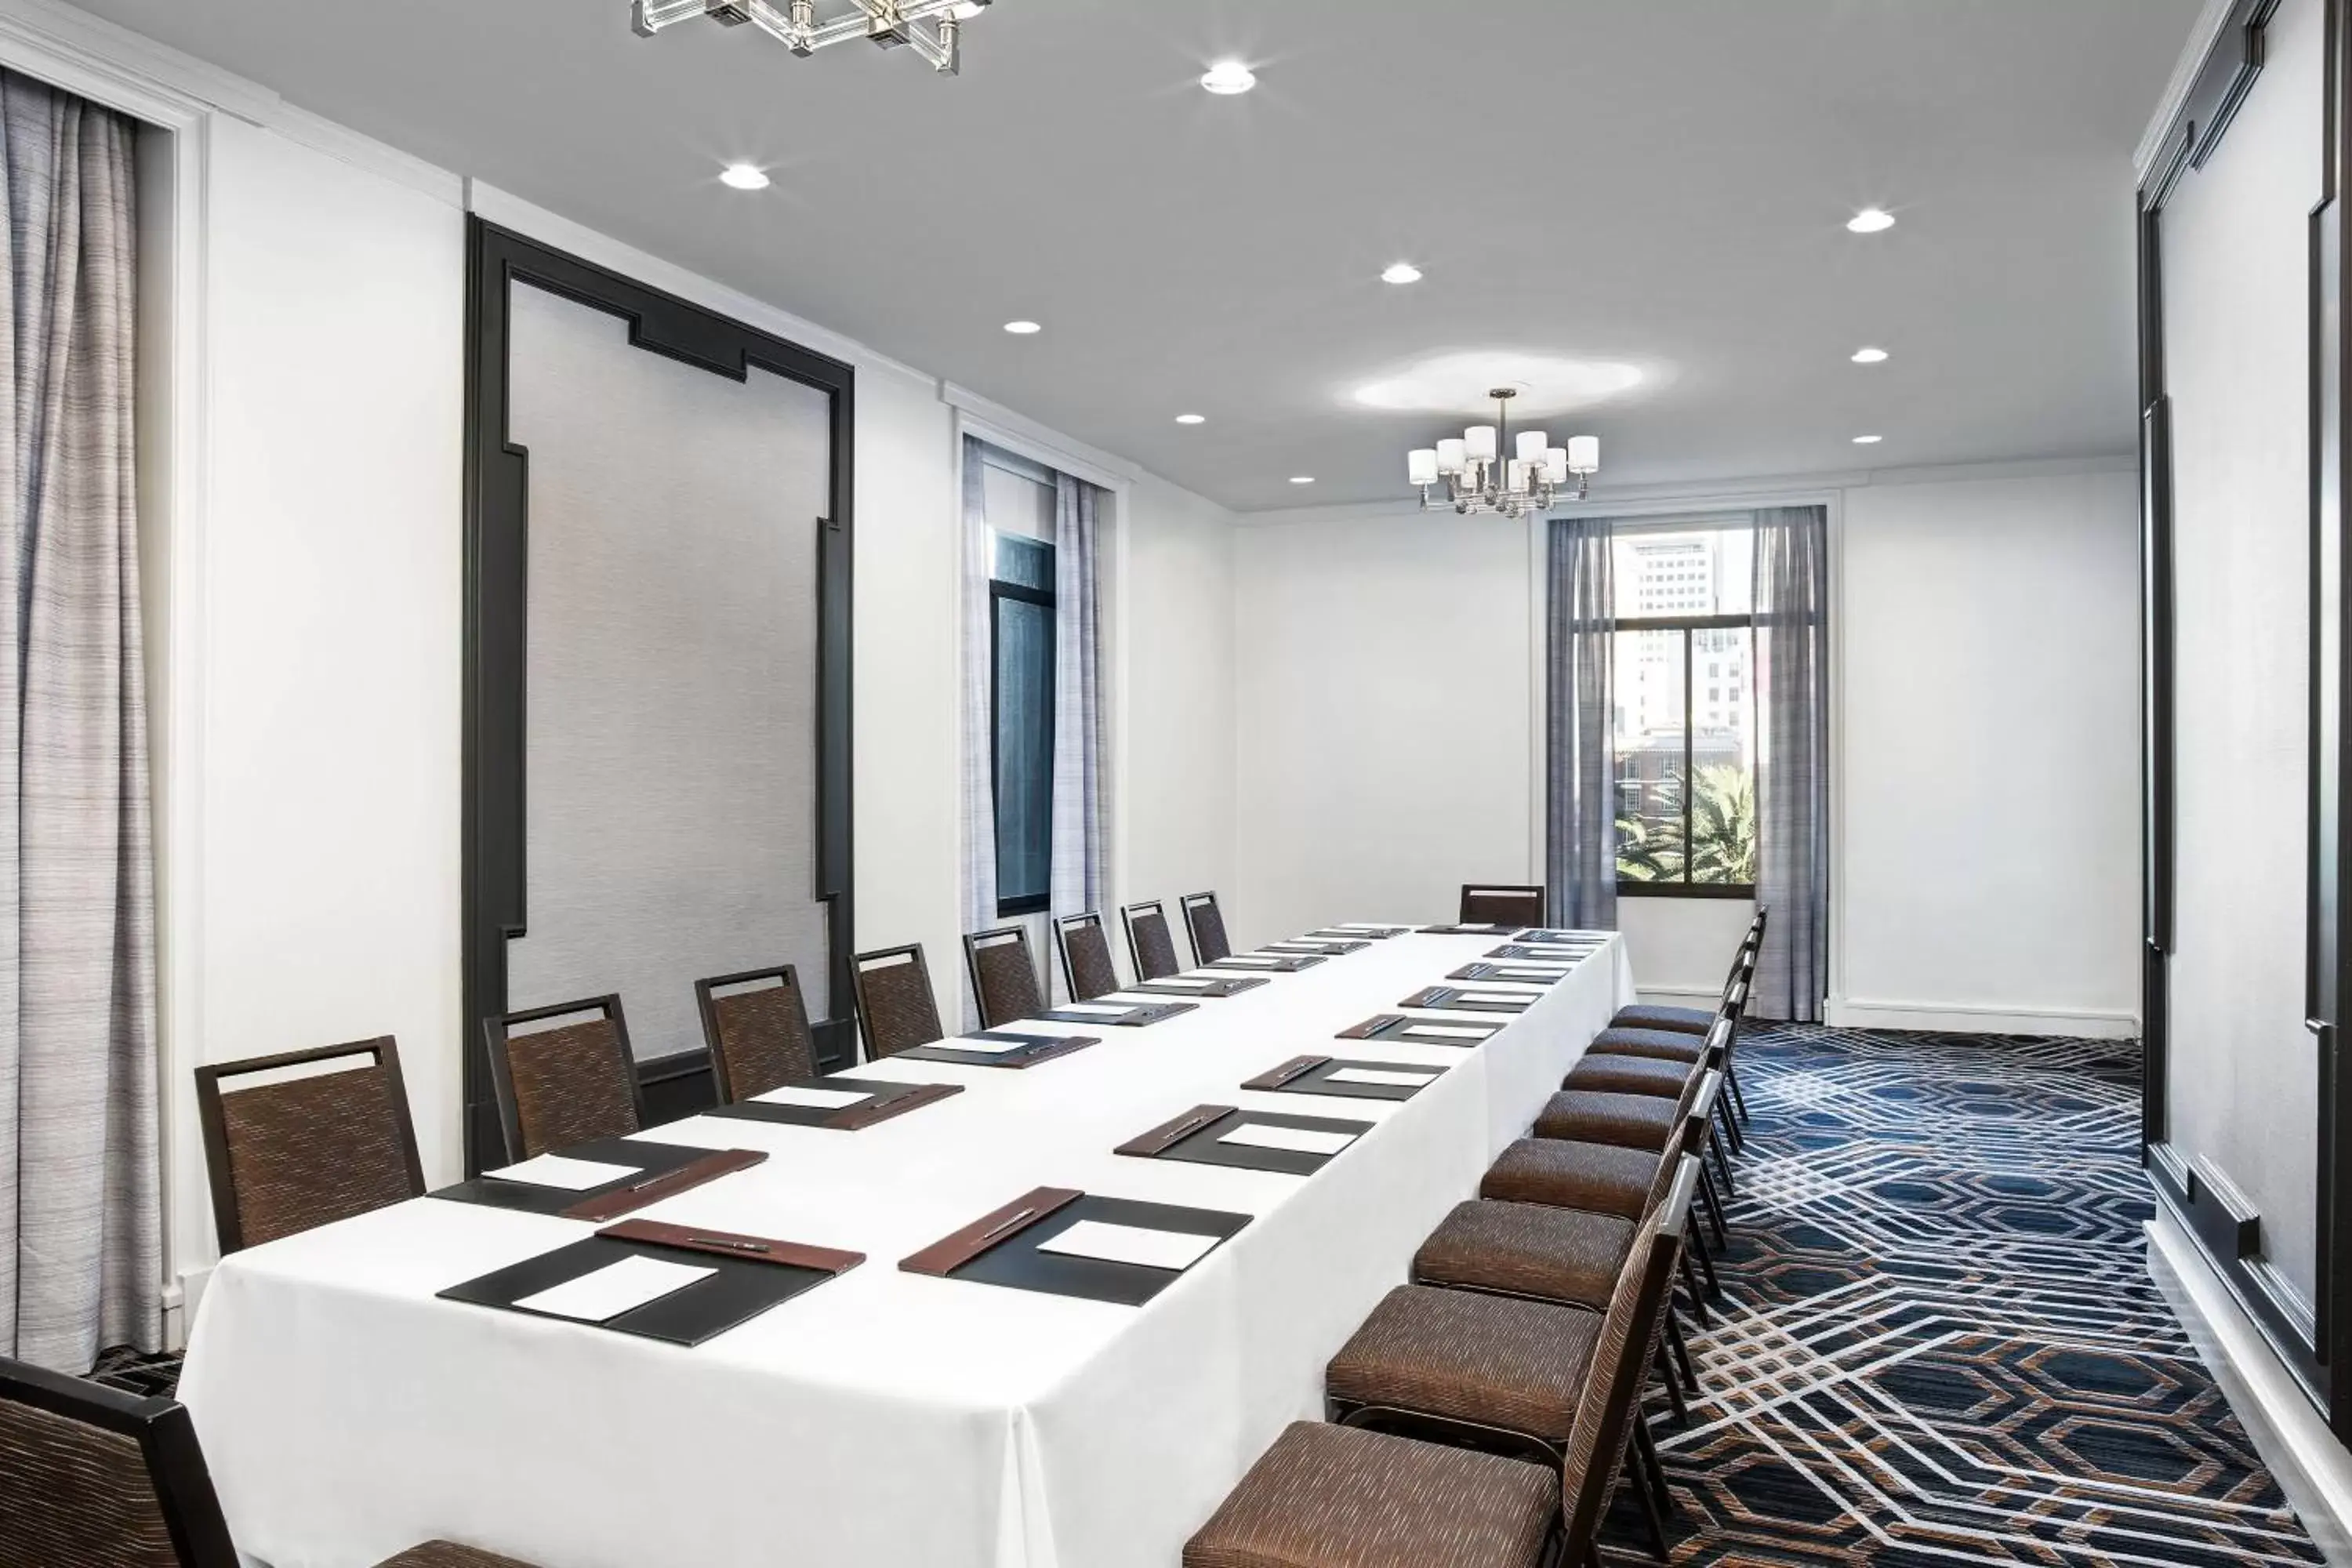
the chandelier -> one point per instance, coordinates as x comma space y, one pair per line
1477, 480
932, 28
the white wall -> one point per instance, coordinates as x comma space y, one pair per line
1410, 759
1989, 727
1384, 696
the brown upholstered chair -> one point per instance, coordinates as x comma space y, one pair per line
296, 1152
1655, 1064
91, 1476
567, 1083
1488, 903
897, 1009
1205, 924
1150, 946
758, 1031
1004, 975
1086, 968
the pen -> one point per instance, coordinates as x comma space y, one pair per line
1008, 1223
751, 1247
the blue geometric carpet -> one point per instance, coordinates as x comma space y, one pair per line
1939, 1341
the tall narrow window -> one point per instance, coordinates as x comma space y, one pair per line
1685, 717
1022, 612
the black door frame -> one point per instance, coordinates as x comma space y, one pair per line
2315, 1345
497, 553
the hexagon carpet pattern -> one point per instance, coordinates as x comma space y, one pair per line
1939, 1341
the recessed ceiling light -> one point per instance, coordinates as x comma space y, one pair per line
1871, 220
1868, 440
1869, 356
1227, 78
744, 177
1022, 329
1402, 272
1302, 479
1191, 419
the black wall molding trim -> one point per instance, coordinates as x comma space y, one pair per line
496, 524
2311, 1337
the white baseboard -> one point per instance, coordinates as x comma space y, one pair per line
1968, 1018
2311, 1466
1678, 995
180, 1306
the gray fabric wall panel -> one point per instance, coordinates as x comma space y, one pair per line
671, 731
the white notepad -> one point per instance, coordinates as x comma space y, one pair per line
1449, 1032
1257, 963
983, 1048
1094, 1009
572, 1175
1189, 984
605, 1293
824, 1099
1172, 1249
1380, 1076
1495, 996
1298, 1140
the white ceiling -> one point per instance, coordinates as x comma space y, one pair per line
1662, 183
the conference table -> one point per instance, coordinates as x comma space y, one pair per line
885, 1418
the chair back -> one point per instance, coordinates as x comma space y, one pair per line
895, 1008
758, 1031
1086, 968
308, 1147
1004, 975
1489, 903
1206, 926
566, 1083
1150, 946
1611, 1400
91, 1476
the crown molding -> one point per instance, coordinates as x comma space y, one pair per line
992, 421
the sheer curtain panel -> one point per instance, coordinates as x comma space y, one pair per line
1792, 599
1580, 849
1080, 809
81, 1249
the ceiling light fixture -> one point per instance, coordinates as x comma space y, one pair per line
1869, 356
744, 177
1477, 478
932, 28
1227, 78
1022, 329
1302, 479
1868, 440
1191, 419
1871, 220
1402, 272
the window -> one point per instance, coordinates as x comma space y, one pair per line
1685, 749
1020, 635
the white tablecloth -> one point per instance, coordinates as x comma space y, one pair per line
883, 1419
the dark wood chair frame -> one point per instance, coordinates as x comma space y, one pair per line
1127, 913
1188, 903
175, 1463
861, 962
1062, 925
496, 1030
1462, 909
226, 1219
787, 977
1000, 936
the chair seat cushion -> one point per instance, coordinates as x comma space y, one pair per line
1631, 1075
1682, 1020
1593, 1177
1663, 1044
1625, 1120
1527, 1250
447, 1554
1338, 1497
1492, 1359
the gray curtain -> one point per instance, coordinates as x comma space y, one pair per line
81, 1249
1793, 600
1081, 809
1580, 848
979, 835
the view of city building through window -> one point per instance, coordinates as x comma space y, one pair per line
1686, 708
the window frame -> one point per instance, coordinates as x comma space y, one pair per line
1686, 626
999, 591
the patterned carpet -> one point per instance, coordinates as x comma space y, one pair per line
1939, 1340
